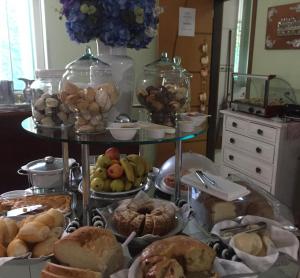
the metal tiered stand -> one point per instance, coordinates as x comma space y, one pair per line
67, 135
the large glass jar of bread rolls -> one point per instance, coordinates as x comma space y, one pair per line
163, 90
47, 108
88, 90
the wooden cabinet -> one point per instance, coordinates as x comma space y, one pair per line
264, 151
190, 51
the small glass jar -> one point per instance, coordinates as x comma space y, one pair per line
47, 108
163, 90
88, 90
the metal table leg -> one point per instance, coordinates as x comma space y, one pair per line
85, 153
66, 169
178, 158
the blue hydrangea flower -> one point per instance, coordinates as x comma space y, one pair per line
128, 23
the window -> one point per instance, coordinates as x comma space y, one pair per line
20, 28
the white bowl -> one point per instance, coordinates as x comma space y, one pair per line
155, 133
196, 117
186, 126
123, 133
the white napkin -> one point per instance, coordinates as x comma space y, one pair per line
285, 242
224, 189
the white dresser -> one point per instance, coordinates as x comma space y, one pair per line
264, 151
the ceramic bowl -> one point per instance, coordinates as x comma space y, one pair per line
156, 133
186, 126
196, 117
123, 133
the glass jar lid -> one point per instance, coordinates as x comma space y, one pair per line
163, 64
86, 61
178, 66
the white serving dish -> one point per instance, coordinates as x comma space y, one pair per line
155, 133
123, 133
196, 117
186, 126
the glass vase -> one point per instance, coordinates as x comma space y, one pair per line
122, 67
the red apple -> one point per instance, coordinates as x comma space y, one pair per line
115, 171
113, 153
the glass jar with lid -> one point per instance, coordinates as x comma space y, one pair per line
163, 90
88, 90
47, 108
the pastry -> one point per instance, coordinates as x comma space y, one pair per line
153, 217
44, 248
2, 250
33, 232
91, 248
176, 254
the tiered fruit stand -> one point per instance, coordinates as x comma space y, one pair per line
68, 135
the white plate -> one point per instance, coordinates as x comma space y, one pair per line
14, 194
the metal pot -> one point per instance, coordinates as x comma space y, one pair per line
46, 172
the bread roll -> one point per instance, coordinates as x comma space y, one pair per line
2, 251
46, 219
196, 256
3, 231
71, 271
12, 230
92, 248
56, 232
58, 216
44, 248
17, 248
250, 243
33, 232
28, 219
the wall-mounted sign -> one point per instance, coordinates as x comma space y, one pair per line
283, 27
187, 18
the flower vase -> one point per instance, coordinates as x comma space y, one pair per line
122, 67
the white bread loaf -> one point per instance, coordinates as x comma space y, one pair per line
91, 248
73, 272
47, 274
17, 248
33, 232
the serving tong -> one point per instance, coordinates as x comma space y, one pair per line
246, 228
205, 179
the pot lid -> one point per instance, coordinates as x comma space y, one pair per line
49, 163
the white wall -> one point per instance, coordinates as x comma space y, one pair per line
284, 63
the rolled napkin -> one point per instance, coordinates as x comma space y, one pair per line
223, 189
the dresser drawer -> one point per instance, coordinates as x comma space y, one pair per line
261, 132
255, 148
258, 170
236, 125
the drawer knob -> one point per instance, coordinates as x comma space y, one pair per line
234, 124
231, 157
258, 150
258, 170
260, 132
231, 140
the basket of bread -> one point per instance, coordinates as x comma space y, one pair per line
32, 237
257, 241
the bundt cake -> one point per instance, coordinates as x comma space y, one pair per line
156, 217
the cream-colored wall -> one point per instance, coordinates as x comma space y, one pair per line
61, 50
284, 63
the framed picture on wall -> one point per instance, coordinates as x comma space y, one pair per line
283, 27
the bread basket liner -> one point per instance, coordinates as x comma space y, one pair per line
182, 217
285, 242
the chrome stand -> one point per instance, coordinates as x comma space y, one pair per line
85, 153
66, 169
178, 160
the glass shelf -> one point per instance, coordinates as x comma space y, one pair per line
68, 135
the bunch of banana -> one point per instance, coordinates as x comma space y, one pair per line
119, 174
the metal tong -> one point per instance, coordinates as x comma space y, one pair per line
247, 228
204, 178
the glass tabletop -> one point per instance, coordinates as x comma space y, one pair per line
68, 134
